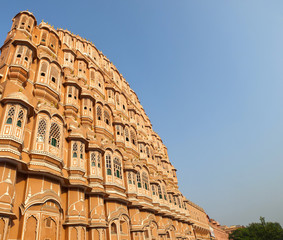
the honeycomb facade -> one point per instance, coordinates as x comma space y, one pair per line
78, 156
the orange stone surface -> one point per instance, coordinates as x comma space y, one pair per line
78, 156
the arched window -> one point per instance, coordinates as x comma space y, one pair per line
54, 135
10, 115
153, 189
139, 180
72, 92
99, 113
23, 22
70, 89
53, 42
145, 180
76, 93
92, 158
92, 77
174, 198
130, 177
20, 118
168, 235
117, 99
82, 69
54, 75
99, 83
43, 69
141, 148
179, 203
75, 150
48, 222
127, 134
98, 160
123, 227
27, 55
109, 92
41, 130
164, 192
117, 129
108, 165
81, 151
131, 113
146, 235
43, 37
16, 22
159, 191
152, 154
117, 168
107, 118
170, 198
113, 228
147, 152
29, 24
133, 137
20, 51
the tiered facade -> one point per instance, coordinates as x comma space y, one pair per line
78, 156
218, 232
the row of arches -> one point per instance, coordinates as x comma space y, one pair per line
49, 38
89, 50
49, 74
49, 138
14, 121
49, 135
23, 56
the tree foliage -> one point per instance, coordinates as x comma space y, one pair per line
259, 231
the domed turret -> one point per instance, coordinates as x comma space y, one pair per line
24, 20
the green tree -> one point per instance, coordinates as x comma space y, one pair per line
259, 231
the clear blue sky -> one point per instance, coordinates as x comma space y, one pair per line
209, 75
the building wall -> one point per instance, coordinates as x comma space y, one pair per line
78, 156
219, 232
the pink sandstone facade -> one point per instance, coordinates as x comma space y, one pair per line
79, 159
218, 231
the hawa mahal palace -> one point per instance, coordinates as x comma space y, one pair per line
79, 159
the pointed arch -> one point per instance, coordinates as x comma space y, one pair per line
31, 228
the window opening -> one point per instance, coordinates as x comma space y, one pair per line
54, 135
98, 160
130, 177
139, 180
117, 168
41, 131
99, 113
107, 118
93, 159
145, 180
159, 192
81, 151
20, 118
108, 165
75, 149
127, 134
10, 115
